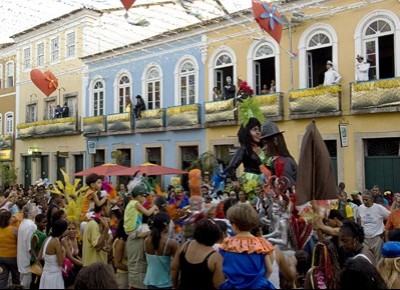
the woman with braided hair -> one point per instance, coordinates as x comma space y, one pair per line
351, 239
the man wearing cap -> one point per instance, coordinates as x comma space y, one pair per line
362, 69
332, 77
132, 225
355, 197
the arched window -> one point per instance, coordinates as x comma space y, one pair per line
9, 74
317, 45
153, 88
223, 68
124, 93
378, 40
98, 98
9, 123
187, 83
319, 51
264, 67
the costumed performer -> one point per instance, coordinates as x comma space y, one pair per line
249, 153
279, 160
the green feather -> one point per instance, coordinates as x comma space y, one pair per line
250, 109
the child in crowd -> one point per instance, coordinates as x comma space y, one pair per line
247, 264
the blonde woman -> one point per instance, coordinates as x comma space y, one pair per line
389, 265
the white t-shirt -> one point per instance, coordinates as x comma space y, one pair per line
25, 232
372, 219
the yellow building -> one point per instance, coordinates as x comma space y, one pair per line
45, 141
7, 110
367, 153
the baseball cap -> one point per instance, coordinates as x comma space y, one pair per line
355, 192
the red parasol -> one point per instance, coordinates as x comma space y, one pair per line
108, 169
150, 169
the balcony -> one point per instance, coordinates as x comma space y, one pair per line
220, 113
150, 121
376, 96
271, 106
49, 128
119, 122
321, 101
183, 117
94, 125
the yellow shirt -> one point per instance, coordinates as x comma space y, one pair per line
91, 236
348, 210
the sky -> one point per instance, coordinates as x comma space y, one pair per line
19, 15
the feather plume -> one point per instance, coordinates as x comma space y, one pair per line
133, 183
250, 109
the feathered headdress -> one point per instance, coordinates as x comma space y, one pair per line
250, 109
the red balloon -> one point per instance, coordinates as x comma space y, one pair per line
268, 18
127, 3
46, 82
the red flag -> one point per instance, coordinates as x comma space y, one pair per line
268, 18
127, 3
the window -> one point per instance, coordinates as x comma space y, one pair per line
50, 105
187, 83
27, 58
223, 68
99, 158
10, 75
40, 54
98, 99
188, 155
153, 89
319, 51
154, 155
9, 125
1, 76
31, 114
70, 45
124, 93
72, 105
264, 67
55, 49
379, 49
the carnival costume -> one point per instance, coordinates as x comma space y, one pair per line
250, 116
244, 262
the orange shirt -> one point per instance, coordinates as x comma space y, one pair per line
8, 242
87, 200
18, 219
393, 221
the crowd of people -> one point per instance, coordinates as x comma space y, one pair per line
224, 240
229, 231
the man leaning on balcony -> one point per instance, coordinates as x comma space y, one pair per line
332, 77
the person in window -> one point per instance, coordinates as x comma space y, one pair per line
362, 69
57, 111
264, 90
139, 107
217, 95
272, 88
65, 111
229, 89
332, 77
